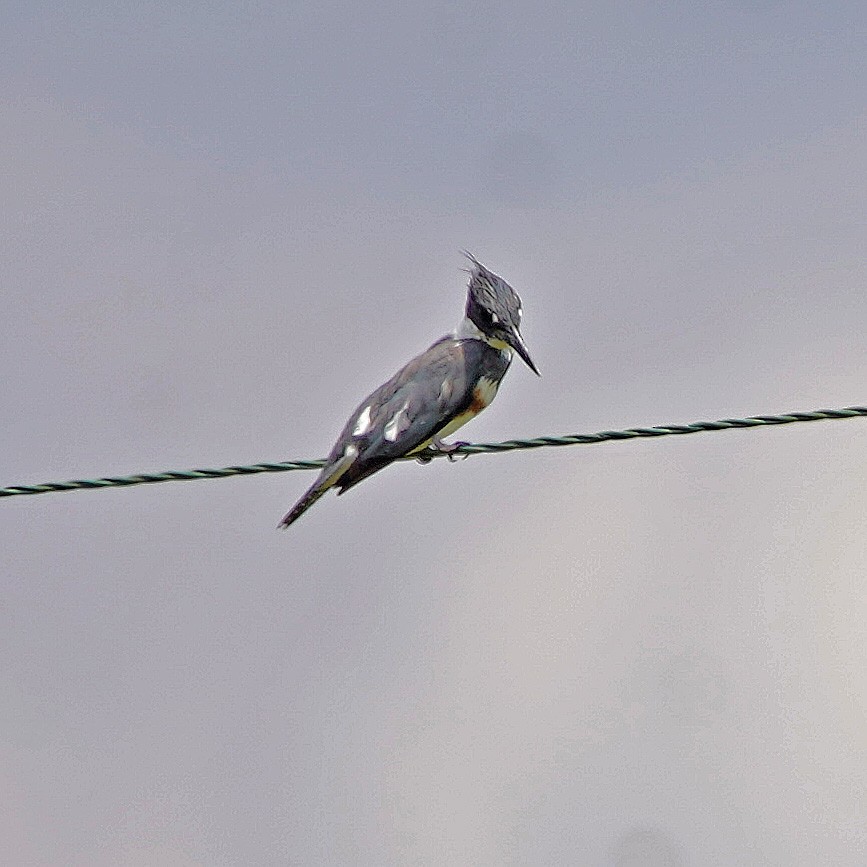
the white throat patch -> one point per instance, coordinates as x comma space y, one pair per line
468, 330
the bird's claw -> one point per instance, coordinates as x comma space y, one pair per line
452, 450
438, 447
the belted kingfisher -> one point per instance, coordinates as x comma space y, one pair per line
433, 395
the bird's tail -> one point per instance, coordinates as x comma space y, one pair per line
328, 478
315, 491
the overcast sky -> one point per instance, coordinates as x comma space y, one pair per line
223, 225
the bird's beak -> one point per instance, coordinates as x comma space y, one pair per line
517, 343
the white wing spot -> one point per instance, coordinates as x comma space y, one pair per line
350, 452
445, 390
393, 428
362, 426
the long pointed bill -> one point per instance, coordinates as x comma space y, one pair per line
517, 343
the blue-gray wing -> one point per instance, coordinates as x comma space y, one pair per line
410, 409
417, 404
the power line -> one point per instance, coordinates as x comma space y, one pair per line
466, 449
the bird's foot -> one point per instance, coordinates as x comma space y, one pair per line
439, 447
450, 449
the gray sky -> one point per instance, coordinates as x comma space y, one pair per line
223, 227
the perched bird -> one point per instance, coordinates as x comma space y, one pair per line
433, 395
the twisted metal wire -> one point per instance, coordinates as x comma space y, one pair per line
463, 449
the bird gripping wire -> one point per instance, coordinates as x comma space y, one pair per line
464, 449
